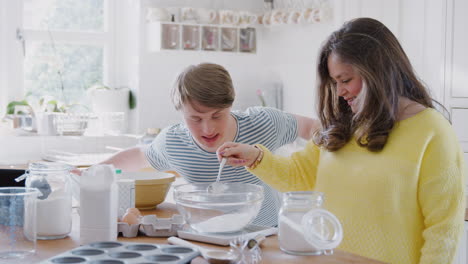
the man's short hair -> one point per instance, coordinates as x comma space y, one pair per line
208, 84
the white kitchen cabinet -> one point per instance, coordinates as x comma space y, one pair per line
456, 87
456, 68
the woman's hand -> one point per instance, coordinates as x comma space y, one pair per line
238, 154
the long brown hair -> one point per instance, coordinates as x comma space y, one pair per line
377, 56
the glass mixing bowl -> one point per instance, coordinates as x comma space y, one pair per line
225, 212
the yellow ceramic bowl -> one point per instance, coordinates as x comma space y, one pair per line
151, 187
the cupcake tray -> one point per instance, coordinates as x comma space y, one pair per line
153, 226
125, 252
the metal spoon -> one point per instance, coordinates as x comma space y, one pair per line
40, 183
217, 187
212, 256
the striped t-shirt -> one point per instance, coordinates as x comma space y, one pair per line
175, 149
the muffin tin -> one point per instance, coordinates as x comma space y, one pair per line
153, 226
111, 252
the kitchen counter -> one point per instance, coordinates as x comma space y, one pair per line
270, 249
20, 150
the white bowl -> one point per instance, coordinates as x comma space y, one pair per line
225, 212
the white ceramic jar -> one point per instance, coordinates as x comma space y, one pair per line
305, 228
54, 204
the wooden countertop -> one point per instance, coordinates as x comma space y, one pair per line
270, 249
14, 167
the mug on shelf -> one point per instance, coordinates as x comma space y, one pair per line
311, 15
206, 16
277, 16
158, 14
266, 19
294, 17
247, 18
228, 17
188, 14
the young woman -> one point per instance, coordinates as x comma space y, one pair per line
389, 164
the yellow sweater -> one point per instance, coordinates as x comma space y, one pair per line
404, 204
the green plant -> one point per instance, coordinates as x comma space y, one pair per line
132, 100
12, 104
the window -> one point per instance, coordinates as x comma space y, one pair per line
66, 47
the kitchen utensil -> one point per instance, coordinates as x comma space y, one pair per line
217, 187
17, 222
151, 187
229, 211
125, 252
212, 256
255, 241
240, 246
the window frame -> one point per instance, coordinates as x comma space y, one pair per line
12, 68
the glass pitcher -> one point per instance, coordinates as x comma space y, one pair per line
54, 204
305, 228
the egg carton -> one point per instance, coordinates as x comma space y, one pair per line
110, 252
153, 226
127, 230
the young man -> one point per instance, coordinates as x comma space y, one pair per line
204, 94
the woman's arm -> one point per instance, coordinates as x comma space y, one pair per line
294, 173
441, 194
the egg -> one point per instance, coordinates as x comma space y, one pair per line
134, 211
130, 218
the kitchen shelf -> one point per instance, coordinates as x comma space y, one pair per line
192, 37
